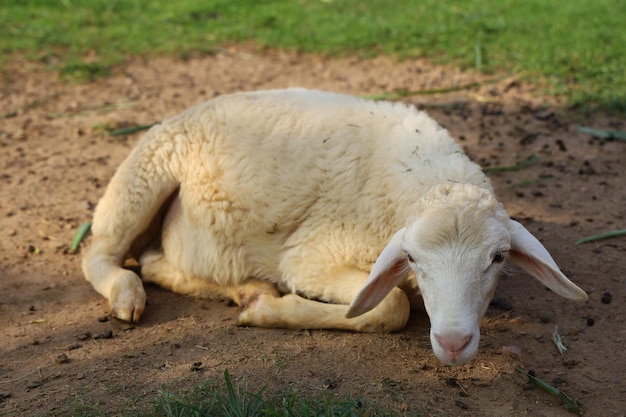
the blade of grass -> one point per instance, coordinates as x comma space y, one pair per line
556, 338
567, 402
79, 236
241, 404
130, 130
524, 164
396, 95
608, 235
538, 180
479, 55
603, 134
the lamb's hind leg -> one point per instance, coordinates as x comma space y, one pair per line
137, 191
156, 269
295, 312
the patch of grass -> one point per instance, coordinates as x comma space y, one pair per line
219, 398
233, 401
576, 48
84, 71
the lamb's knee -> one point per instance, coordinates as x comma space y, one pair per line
253, 289
262, 311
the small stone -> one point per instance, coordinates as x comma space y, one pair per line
62, 358
452, 382
34, 384
461, 404
501, 304
84, 336
108, 334
607, 297
330, 384
570, 363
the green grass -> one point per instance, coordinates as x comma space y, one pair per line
233, 401
576, 48
226, 399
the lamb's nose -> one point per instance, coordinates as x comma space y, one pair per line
453, 342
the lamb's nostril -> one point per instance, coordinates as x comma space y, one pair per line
453, 342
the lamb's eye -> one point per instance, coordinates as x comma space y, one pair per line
410, 258
498, 258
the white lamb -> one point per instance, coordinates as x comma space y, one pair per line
303, 193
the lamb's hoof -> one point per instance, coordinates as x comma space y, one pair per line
128, 298
125, 313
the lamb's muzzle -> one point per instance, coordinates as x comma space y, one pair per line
454, 346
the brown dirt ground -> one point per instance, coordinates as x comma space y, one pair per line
56, 158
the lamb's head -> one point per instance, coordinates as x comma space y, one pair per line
456, 246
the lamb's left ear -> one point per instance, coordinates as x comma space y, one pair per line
528, 253
389, 270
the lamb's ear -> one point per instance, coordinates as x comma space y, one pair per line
389, 270
529, 254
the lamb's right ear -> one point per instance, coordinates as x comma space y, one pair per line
389, 270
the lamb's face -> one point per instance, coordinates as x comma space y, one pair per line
457, 253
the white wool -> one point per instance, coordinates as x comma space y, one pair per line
304, 190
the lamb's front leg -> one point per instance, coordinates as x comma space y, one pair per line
134, 196
295, 312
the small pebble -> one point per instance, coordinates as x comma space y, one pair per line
34, 384
84, 336
461, 404
570, 363
62, 358
501, 304
108, 334
607, 297
330, 384
451, 382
